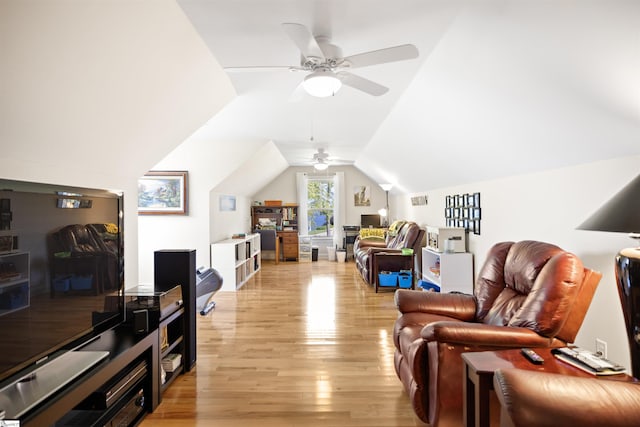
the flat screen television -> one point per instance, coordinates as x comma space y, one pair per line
370, 221
61, 270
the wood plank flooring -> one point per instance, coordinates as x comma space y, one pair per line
301, 344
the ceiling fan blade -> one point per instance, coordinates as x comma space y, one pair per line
263, 68
365, 85
305, 41
390, 54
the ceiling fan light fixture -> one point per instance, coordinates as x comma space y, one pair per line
320, 165
322, 83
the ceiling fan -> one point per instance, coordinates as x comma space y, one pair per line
327, 67
322, 160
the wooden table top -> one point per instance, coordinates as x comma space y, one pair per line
487, 362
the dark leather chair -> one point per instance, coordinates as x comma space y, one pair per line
269, 241
77, 254
540, 399
408, 235
527, 294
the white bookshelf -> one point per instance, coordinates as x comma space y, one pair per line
452, 271
237, 260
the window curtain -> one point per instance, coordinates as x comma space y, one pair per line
301, 183
339, 209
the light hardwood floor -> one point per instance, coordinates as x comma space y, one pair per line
301, 344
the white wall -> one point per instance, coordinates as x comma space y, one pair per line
208, 163
548, 206
284, 188
95, 93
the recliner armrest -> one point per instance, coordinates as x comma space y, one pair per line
457, 306
565, 400
484, 335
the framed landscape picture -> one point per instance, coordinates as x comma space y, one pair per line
162, 193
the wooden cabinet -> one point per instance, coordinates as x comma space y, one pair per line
14, 281
289, 243
451, 271
236, 260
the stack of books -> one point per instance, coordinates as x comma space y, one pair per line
171, 362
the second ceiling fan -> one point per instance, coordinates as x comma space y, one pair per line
328, 68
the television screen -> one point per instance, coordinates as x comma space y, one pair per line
61, 269
370, 221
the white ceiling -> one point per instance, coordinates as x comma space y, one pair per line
501, 87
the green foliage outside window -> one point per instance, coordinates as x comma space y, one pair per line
320, 197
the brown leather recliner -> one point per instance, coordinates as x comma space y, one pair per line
541, 399
527, 294
409, 235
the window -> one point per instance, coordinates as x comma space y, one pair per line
320, 205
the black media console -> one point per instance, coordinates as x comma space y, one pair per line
122, 387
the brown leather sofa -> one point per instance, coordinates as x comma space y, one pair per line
540, 399
527, 294
406, 235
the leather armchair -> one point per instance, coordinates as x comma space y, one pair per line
527, 294
409, 235
79, 250
541, 399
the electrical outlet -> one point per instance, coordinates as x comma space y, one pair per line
601, 348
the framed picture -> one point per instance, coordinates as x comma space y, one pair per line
449, 201
162, 193
361, 195
476, 200
227, 203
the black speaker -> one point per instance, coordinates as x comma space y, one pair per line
178, 267
140, 322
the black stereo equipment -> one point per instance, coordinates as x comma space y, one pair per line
110, 393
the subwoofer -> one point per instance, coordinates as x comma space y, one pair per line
178, 267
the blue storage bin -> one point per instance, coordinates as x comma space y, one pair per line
428, 286
81, 283
61, 284
388, 278
405, 278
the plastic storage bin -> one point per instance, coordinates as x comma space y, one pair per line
61, 284
405, 278
81, 283
428, 286
388, 278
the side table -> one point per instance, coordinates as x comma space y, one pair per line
477, 381
392, 261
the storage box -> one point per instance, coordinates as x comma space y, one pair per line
388, 278
61, 284
428, 286
446, 239
273, 202
81, 283
405, 278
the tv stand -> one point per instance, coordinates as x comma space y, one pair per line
124, 350
33, 388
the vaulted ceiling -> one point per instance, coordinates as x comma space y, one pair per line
500, 87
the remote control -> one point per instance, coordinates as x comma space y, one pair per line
533, 357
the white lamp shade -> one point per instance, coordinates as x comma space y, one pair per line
386, 187
320, 165
322, 83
